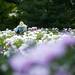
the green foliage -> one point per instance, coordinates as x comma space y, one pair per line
18, 43
5, 20
40, 13
2, 44
33, 12
3, 60
47, 13
39, 36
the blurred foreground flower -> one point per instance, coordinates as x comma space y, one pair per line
62, 71
41, 55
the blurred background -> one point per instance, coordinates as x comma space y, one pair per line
40, 13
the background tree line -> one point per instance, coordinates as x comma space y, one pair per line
40, 13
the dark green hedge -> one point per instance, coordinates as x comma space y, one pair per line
40, 13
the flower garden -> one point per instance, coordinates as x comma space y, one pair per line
34, 51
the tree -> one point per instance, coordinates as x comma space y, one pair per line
41, 13
5, 20
47, 13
